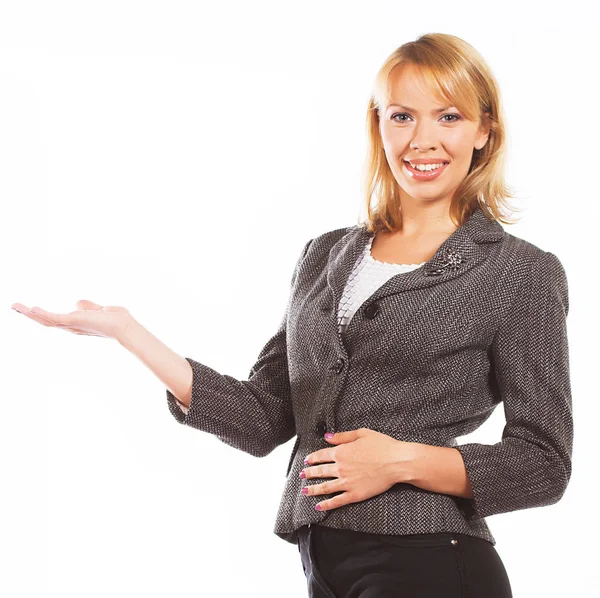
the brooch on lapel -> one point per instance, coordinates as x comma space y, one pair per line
453, 262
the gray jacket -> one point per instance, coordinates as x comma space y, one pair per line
426, 358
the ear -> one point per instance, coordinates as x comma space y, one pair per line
484, 131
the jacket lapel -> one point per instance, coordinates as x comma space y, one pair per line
462, 250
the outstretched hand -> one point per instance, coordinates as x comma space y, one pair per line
364, 463
89, 319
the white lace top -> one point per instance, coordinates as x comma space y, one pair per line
367, 276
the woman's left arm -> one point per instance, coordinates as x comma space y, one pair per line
531, 465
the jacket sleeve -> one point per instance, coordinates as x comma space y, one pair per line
254, 415
531, 466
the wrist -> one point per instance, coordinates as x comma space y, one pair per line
438, 469
128, 332
407, 463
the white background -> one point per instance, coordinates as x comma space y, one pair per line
174, 158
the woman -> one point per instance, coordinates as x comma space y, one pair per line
398, 337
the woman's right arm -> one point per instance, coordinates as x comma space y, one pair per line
171, 368
254, 415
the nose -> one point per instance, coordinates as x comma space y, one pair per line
423, 138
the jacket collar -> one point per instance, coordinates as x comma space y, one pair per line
467, 246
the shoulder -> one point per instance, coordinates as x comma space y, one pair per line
324, 241
518, 249
534, 272
334, 235
522, 255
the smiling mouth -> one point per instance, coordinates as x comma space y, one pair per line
424, 175
436, 162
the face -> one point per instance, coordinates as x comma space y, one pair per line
415, 127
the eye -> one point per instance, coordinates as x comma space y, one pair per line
455, 117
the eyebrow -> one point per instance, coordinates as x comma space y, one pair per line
413, 110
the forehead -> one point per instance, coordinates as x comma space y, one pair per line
407, 86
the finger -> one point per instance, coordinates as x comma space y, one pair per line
326, 505
54, 319
46, 318
345, 498
63, 321
329, 487
37, 318
19, 307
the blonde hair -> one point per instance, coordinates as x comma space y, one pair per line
454, 68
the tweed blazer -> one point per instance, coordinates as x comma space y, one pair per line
426, 358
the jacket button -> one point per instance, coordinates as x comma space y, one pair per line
453, 541
321, 428
339, 365
372, 310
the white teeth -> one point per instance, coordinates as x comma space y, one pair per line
426, 167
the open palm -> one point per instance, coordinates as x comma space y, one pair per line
89, 319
